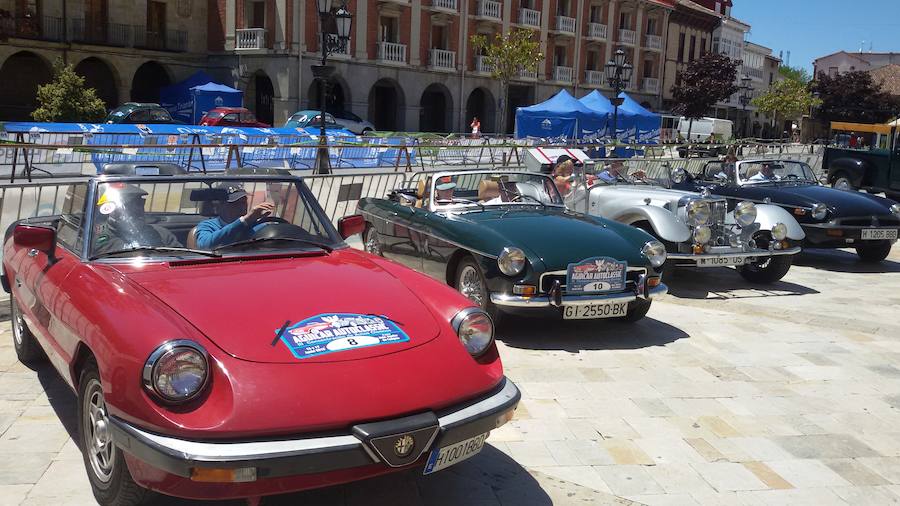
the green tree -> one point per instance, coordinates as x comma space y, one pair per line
507, 55
705, 81
798, 74
65, 99
853, 97
788, 99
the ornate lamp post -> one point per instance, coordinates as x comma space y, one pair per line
618, 75
745, 99
342, 20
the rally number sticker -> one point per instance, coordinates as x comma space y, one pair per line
336, 332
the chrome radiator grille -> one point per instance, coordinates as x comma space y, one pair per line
718, 209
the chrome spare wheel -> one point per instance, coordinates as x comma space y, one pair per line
96, 434
18, 325
471, 285
371, 242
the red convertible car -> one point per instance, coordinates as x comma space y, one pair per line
224, 341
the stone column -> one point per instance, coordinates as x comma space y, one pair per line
638, 63
230, 26
612, 30
361, 22
414, 51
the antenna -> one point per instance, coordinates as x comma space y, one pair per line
861, 45
788, 63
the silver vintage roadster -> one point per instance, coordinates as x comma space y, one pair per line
698, 229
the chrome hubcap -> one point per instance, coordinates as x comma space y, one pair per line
97, 440
471, 286
372, 243
18, 324
842, 184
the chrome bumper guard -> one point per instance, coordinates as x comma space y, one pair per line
541, 301
737, 254
315, 454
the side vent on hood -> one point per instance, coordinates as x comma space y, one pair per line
250, 258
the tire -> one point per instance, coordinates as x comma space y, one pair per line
768, 271
842, 182
27, 348
469, 280
637, 310
366, 131
110, 478
875, 252
370, 241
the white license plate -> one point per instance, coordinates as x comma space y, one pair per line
879, 234
442, 458
722, 261
594, 311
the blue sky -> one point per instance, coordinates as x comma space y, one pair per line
813, 28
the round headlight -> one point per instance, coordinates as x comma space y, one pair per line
895, 209
655, 252
177, 371
511, 261
779, 231
698, 212
745, 213
475, 330
702, 234
819, 211
678, 176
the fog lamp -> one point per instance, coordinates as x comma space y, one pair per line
527, 290
779, 231
653, 282
216, 475
702, 234
833, 232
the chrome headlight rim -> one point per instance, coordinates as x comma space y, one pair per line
678, 175
510, 266
779, 229
466, 316
895, 209
819, 211
702, 234
745, 213
695, 210
656, 258
149, 374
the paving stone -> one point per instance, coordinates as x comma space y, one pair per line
855, 472
679, 479
825, 446
865, 496
22, 468
629, 480
728, 476
767, 475
807, 473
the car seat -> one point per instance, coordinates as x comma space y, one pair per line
422, 192
488, 190
532, 191
207, 209
752, 171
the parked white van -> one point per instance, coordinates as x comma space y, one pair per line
721, 129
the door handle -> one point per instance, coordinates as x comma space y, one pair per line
18, 282
32, 252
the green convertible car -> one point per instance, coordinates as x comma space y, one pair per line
506, 240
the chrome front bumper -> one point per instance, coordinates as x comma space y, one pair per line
361, 446
542, 301
737, 254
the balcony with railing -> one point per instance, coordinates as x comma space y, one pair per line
124, 35
482, 66
565, 24
490, 10
391, 52
529, 17
446, 5
441, 59
528, 75
757, 74
32, 27
653, 42
596, 31
594, 78
627, 36
650, 85
563, 74
249, 39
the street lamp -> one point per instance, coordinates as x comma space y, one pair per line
618, 75
745, 99
342, 20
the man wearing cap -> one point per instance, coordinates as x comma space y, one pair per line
126, 225
234, 223
612, 172
443, 190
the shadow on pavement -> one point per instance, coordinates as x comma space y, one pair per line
726, 283
61, 398
836, 260
580, 335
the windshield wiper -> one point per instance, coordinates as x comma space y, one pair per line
156, 248
323, 246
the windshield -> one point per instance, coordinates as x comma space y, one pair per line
769, 171
220, 216
615, 172
484, 189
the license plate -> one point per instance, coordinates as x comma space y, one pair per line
442, 458
594, 311
722, 261
879, 234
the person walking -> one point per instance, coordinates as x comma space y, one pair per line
476, 127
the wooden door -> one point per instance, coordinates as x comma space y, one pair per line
156, 25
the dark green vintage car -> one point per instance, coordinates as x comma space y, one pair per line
505, 240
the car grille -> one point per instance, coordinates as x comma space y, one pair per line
548, 278
718, 210
886, 220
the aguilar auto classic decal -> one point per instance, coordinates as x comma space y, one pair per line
334, 332
598, 274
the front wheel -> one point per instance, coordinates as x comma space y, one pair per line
27, 348
842, 182
110, 478
875, 252
637, 310
768, 270
471, 283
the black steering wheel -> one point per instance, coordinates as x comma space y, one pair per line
278, 229
271, 219
791, 176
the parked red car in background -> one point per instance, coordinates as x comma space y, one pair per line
231, 116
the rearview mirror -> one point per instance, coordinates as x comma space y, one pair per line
351, 225
35, 237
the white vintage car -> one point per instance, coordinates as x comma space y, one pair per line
698, 229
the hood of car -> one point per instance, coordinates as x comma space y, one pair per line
558, 238
323, 308
842, 203
621, 196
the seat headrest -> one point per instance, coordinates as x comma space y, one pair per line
752, 171
488, 190
420, 190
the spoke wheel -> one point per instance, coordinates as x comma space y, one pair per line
371, 242
27, 348
472, 286
842, 182
97, 440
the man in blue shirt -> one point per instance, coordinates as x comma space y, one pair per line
234, 223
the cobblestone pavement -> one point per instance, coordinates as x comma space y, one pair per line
723, 395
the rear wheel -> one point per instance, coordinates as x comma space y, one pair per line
875, 252
637, 310
471, 283
842, 182
110, 478
371, 241
27, 348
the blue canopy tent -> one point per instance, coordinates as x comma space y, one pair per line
177, 98
560, 116
646, 124
210, 95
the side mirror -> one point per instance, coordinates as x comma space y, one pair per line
351, 225
35, 237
